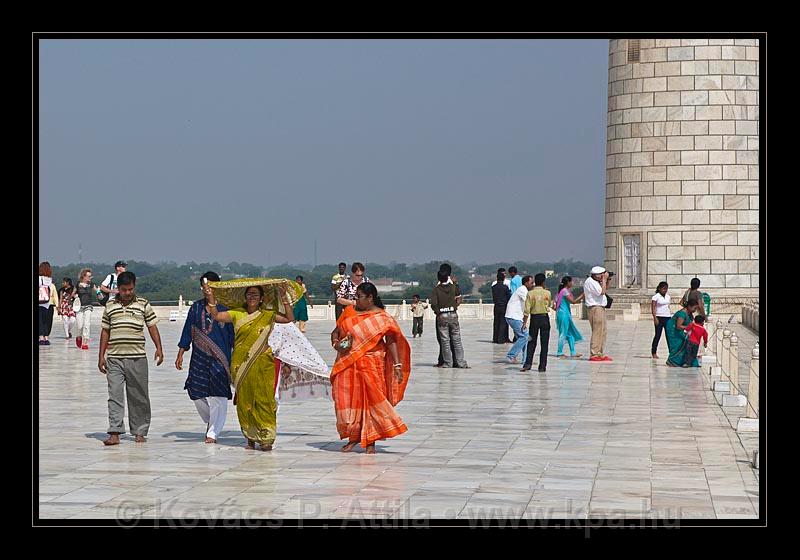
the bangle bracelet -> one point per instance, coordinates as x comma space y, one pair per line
398, 365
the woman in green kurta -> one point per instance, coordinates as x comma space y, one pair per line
253, 371
301, 307
676, 335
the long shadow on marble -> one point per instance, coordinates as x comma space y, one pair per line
230, 439
336, 447
102, 436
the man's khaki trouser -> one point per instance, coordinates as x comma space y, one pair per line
597, 320
128, 377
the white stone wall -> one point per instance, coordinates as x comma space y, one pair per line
682, 161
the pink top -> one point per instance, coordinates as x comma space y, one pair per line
561, 295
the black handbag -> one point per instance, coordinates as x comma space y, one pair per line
103, 298
609, 301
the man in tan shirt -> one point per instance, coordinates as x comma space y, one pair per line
537, 305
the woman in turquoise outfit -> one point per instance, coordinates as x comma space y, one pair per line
676, 334
301, 307
567, 331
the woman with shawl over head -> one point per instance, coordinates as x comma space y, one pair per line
266, 346
371, 371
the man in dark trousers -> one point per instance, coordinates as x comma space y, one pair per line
500, 295
537, 305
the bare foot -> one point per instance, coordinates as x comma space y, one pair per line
266, 447
140, 439
210, 440
349, 447
371, 449
113, 439
250, 444
655, 356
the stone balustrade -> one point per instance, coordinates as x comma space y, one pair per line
724, 362
752, 392
750, 317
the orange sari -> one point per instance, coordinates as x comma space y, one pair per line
365, 391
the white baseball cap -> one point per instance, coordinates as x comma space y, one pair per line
598, 270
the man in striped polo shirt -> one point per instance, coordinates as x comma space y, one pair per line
123, 359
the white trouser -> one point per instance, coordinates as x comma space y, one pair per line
213, 411
68, 322
84, 317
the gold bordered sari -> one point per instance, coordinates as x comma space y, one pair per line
252, 361
365, 391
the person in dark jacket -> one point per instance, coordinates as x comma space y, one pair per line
447, 269
444, 302
500, 295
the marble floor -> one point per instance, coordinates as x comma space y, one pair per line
631, 438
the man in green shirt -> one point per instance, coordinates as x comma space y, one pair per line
123, 360
537, 305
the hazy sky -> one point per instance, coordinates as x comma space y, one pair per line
381, 150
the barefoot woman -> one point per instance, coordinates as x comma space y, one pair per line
371, 371
255, 304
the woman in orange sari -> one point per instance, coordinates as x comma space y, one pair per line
371, 371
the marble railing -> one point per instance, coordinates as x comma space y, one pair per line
724, 365
750, 317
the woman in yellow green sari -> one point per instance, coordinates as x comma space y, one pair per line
253, 371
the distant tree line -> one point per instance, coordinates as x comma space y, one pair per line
165, 281
318, 279
162, 281
577, 269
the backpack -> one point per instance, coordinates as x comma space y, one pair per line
44, 293
102, 297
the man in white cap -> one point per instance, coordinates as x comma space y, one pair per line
594, 290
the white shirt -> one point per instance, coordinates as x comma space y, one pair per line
111, 285
516, 305
506, 281
662, 305
593, 290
